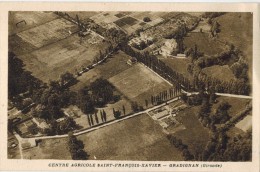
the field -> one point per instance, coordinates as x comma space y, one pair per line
204, 43
32, 19
120, 141
65, 55
223, 73
111, 67
48, 33
236, 28
237, 104
50, 49
178, 65
139, 83
195, 135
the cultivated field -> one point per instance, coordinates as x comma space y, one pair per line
31, 19
48, 33
139, 83
66, 55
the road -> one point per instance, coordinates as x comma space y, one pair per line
106, 124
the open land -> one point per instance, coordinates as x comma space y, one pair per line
194, 135
132, 132
139, 83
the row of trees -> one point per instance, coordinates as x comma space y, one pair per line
181, 146
158, 66
165, 95
91, 117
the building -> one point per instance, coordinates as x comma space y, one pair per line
132, 61
28, 143
41, 123
169, 47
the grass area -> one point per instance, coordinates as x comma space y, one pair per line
139, 81
112, 66
48, 33
204, 43
223, 73
195, 135
49, 149
237, 104
237, 28
178, 65
138, 138
31, 18
49, 62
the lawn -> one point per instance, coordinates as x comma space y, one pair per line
139, 83
137, 138
195, 135
223, 73
204, 43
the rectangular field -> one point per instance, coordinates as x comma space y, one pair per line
112, 66
137, 138
24, 20
138, 80
49, 62
49, 32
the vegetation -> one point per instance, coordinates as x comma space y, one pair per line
99, 93
76, 148
146, 19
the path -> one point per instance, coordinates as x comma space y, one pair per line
107, 124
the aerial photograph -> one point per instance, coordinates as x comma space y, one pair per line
130, 85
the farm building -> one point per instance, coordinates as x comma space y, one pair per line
28, 143
169, 47
41, 123
132, 61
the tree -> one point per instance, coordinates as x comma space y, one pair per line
134, 106
104, 115
66, 78
146, 19
96, 118
146, 103
124, 109
76, 148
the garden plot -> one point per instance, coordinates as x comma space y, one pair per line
154, 16
138, 80
23, 20
48, 33
70, 54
